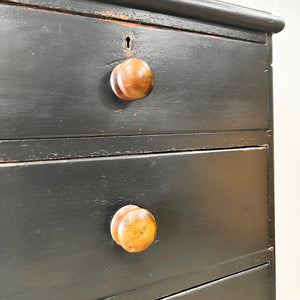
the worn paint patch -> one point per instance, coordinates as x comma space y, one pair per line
129, 53
113, 15
107, 16
214, 36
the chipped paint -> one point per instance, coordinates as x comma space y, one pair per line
214, 36
110, 14
129, 53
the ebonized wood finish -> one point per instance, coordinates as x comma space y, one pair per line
203, 83
197, 152
203, 10
204, 203
247, 285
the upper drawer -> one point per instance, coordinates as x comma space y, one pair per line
210, 207
55, 70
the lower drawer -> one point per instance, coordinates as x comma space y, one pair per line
55, 241
247, 285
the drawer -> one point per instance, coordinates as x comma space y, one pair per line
55, 71
247, 285
210, 206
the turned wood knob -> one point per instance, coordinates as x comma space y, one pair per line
131, 80
133, 228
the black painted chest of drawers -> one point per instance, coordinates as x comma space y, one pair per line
197, 152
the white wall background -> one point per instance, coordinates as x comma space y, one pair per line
286, 55
286, 63
265, 5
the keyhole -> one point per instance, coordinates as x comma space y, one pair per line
128, 42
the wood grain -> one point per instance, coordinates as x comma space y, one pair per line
133, 228
131, 80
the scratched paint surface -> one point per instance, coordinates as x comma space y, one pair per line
55, 220
58, 66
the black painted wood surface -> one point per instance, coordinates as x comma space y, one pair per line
54, 220
248, 285
56, 57
213, 11
102, 10
55, 78
195, 279
67, 148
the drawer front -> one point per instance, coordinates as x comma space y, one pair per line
247, 285
210, 206
55, 71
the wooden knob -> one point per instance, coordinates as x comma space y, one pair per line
131, 80
133, 228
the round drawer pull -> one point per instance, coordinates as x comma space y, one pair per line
131, 80
133, 228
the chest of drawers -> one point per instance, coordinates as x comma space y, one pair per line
197, 152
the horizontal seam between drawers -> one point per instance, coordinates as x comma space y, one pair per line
127, 156
267, 252
116, 135
221, 279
